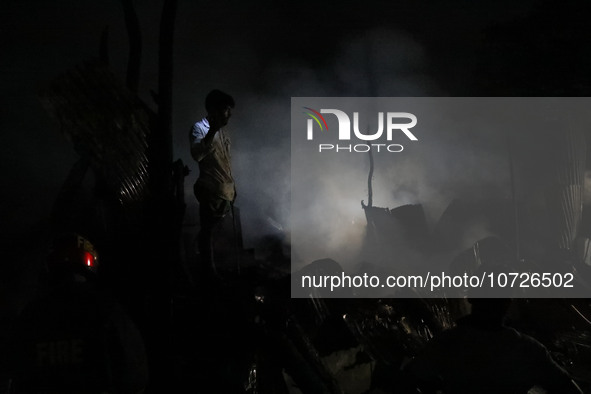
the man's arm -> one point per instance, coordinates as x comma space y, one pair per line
201, 139
208, 139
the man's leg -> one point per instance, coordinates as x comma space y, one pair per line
212, 212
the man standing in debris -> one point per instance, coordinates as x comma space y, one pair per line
214, 189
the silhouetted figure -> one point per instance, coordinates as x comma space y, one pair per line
74, 337
215, 190
482, 355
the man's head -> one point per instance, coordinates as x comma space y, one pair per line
219, 107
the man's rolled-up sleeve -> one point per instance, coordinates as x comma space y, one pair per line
199, 149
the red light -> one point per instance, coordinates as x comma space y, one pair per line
89, 259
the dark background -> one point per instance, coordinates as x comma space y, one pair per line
264, 53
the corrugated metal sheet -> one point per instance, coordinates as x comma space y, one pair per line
106, 123
571, 177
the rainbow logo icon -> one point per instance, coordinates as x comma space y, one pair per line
315, 115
